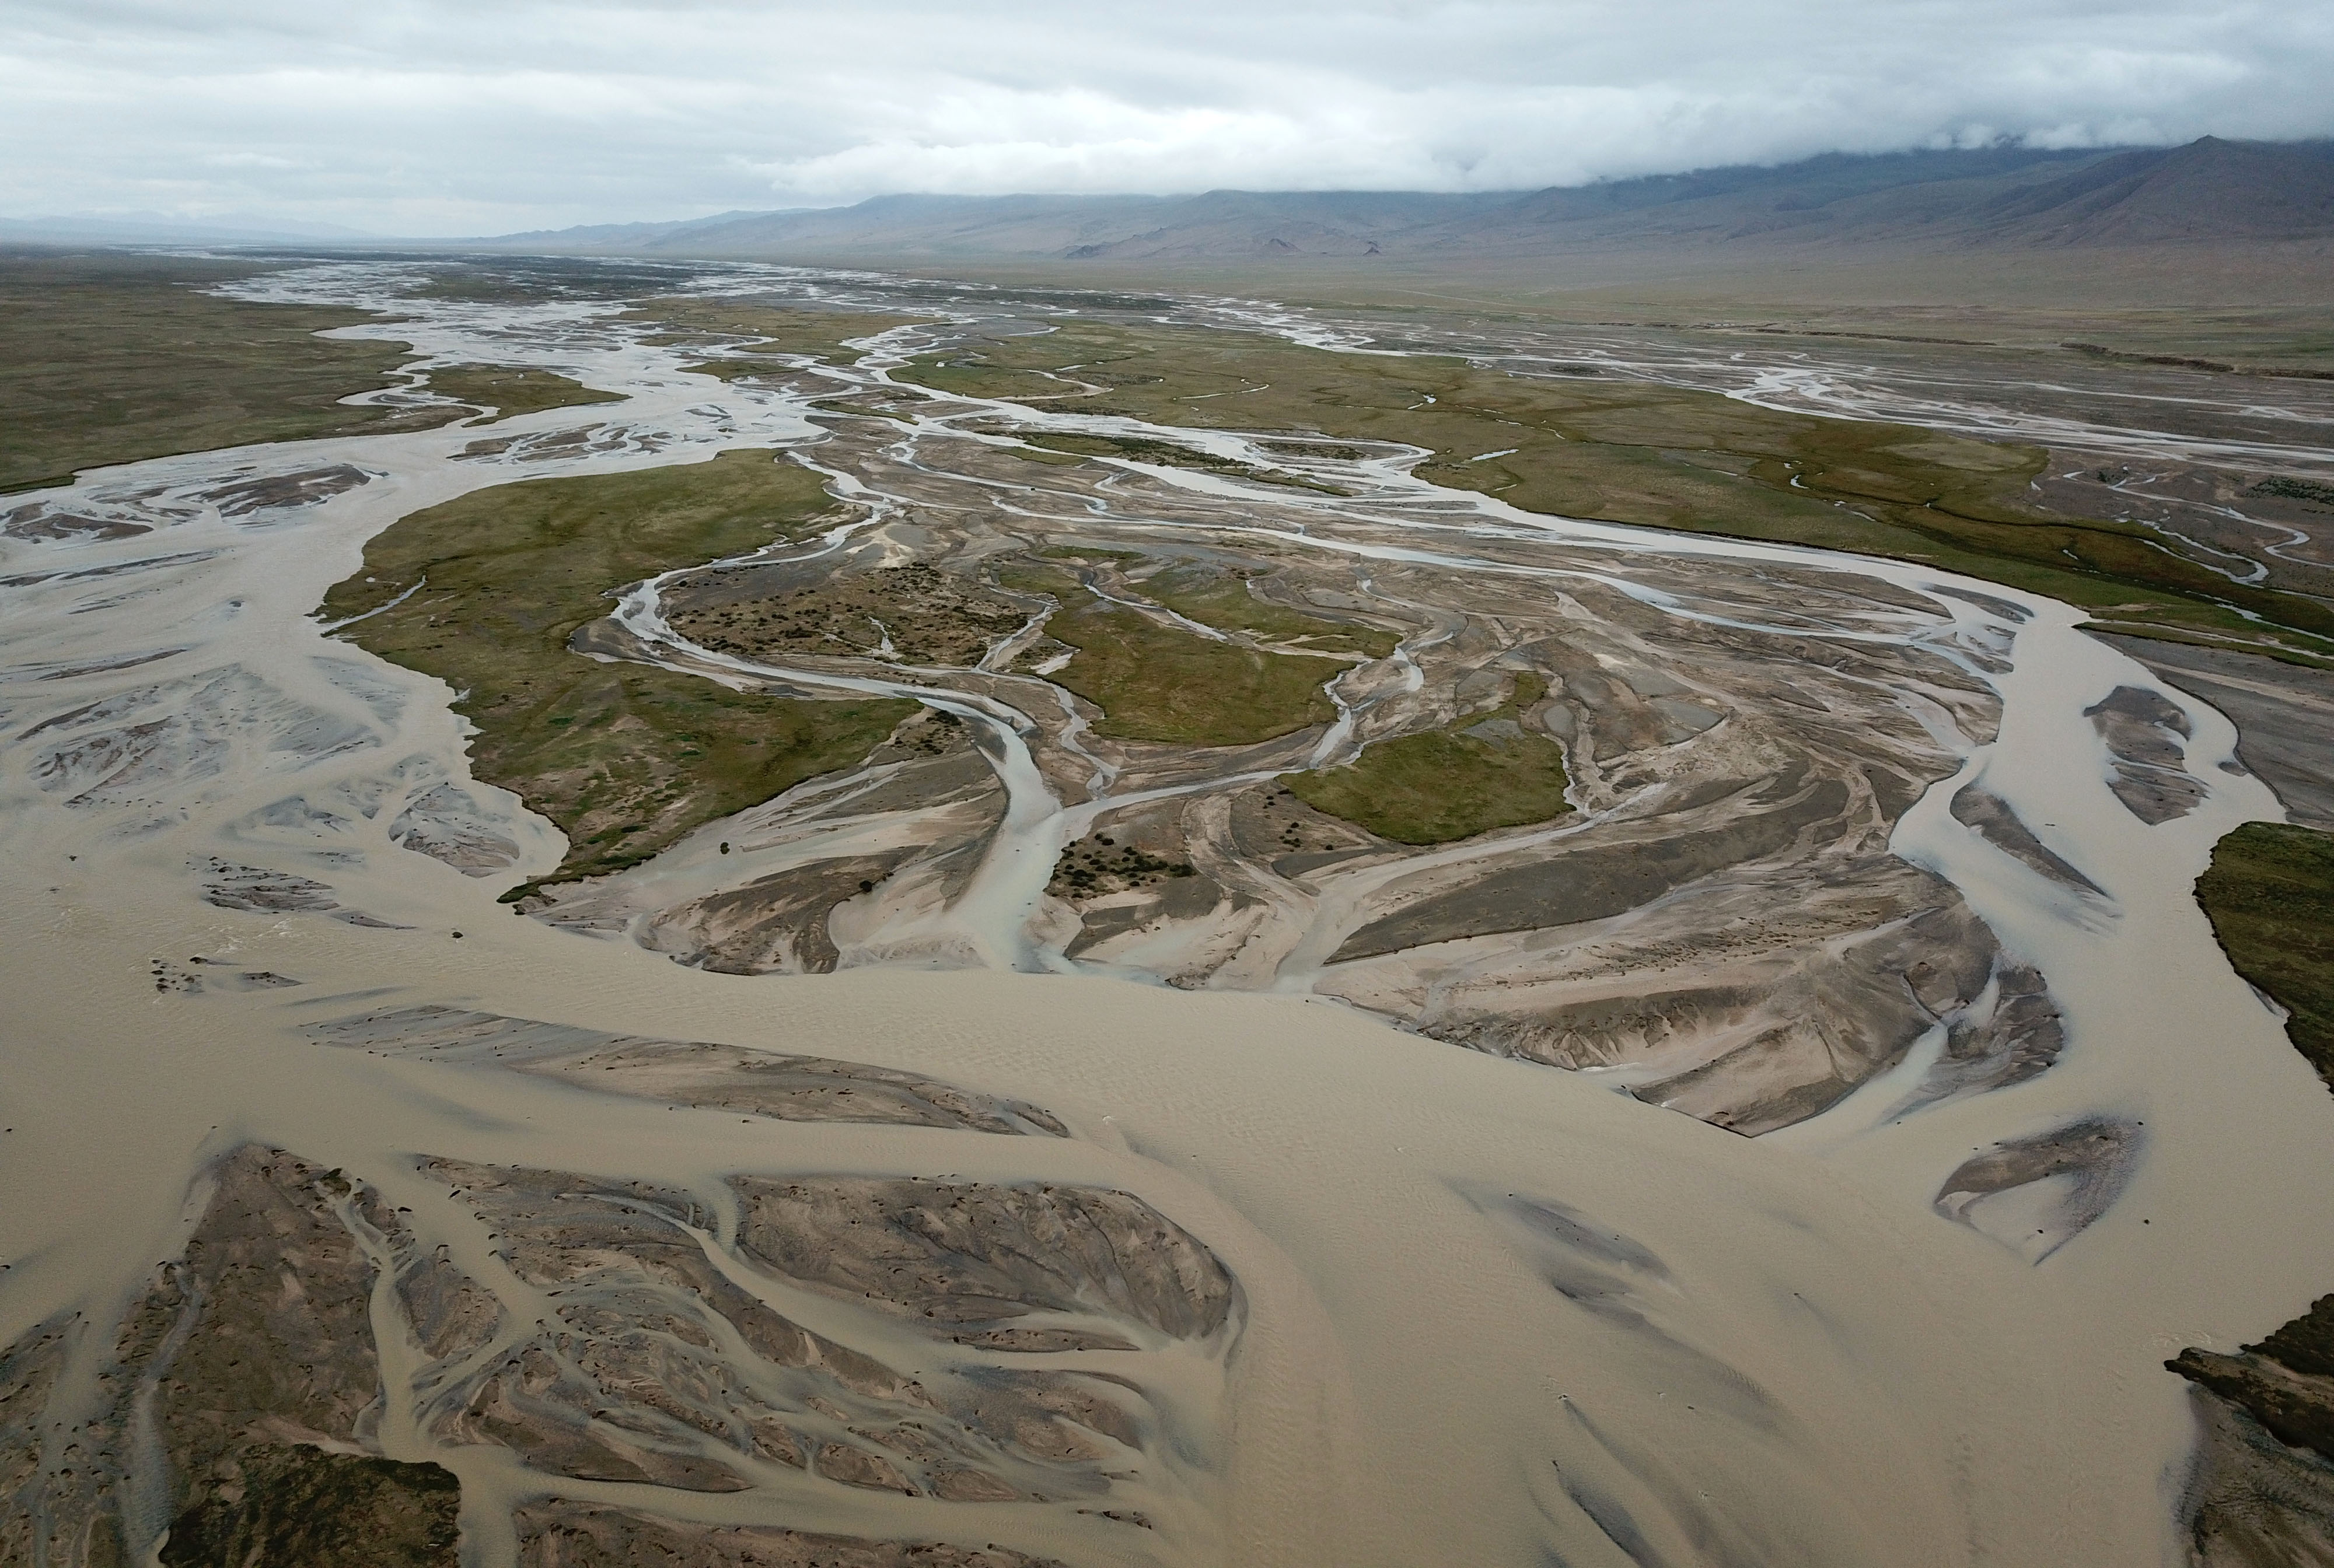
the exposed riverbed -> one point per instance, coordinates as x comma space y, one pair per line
1472, 1308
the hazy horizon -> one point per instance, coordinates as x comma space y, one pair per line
226, 222
420, 119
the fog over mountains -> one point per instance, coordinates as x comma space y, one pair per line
2209, 191
2219, 219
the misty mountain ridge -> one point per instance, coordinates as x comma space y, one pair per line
2209, 190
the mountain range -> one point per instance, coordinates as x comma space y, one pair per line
2209, 191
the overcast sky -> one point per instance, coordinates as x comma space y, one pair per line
448, 117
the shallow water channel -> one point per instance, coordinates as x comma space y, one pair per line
1488, 1312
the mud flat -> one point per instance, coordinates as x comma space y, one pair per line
1860, 1112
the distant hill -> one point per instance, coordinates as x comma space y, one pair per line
2208, 189
617, 235
1995, 198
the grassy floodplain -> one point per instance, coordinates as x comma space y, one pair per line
1157, 682
510, 390
1582, 444
1485, 772
2270, 895
114, 358
1230, 604
624, 758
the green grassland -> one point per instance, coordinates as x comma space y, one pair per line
1602, 446
511, 390
1154, 683
2270, 895
973, 374
1231, 603
1160, 683
1051, 459
1484, 771
114, 358
624, 758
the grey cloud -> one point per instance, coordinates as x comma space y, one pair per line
431, 117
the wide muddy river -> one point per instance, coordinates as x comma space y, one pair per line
1466, 1309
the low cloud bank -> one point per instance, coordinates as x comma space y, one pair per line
428, 117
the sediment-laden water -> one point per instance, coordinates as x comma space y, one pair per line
1096, 1269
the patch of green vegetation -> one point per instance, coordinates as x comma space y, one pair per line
2293, 489
2296, 354
511, 390
295, 1505
970, 374
2247, 646
2270, 895
1624, 451
1155, 683
1165, 452
1159, 683
1232, 604
624, 758
115, 358
1485, 772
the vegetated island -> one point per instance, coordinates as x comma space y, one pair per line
624, 758
115, 358
1487, 772
2270, 895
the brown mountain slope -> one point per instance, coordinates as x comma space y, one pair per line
2007, 199
2209, 189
